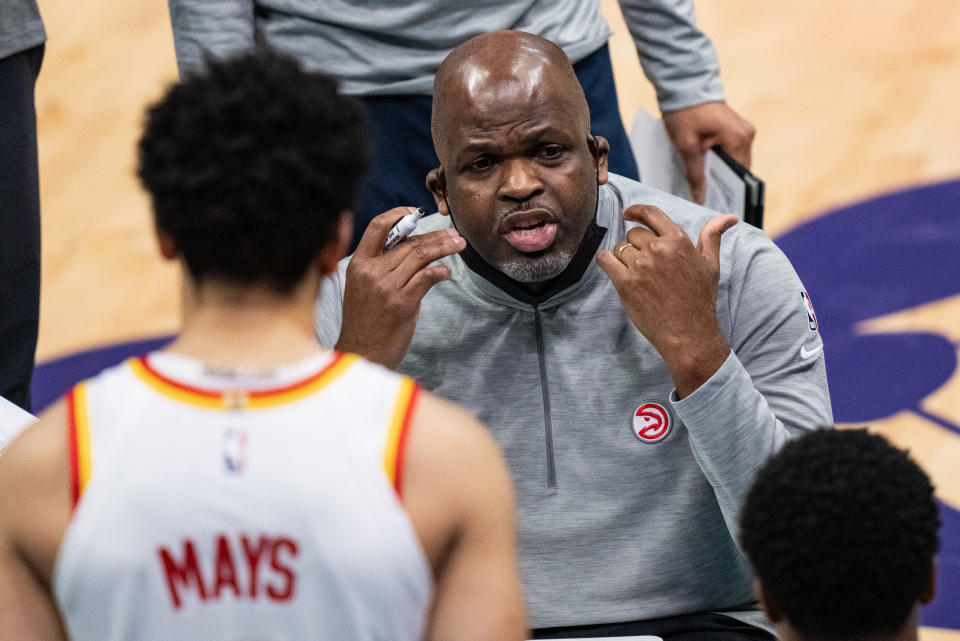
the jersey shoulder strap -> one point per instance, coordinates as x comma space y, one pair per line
396, 441
78, 441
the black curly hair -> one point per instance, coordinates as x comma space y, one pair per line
841, 529
249, 164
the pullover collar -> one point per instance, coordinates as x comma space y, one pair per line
568, 277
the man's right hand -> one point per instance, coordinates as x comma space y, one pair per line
383, 290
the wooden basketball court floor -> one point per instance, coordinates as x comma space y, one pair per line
850, 99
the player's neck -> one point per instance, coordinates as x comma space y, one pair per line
249, 327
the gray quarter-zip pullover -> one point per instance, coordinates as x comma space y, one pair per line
614, 527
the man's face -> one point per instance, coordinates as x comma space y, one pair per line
520, 174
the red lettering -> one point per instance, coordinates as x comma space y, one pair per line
286, 593
226, 572
252, 555
185, 573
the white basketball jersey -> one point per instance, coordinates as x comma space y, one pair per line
265, 508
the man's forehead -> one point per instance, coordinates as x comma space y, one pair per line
479, 81
480, 85
503, 80
492, 125
488, 102
524, 68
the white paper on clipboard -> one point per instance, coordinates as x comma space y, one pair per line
662, 167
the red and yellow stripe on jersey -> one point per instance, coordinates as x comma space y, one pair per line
79, 428
395, 449
241, 399
78, 440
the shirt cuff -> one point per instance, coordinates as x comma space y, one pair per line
687, 92
702, 404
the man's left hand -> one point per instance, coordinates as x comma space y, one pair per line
696, 129
668, 287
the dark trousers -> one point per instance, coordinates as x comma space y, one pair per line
401, 148
19, 224
706, 626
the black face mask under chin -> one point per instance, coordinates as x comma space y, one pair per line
537, 293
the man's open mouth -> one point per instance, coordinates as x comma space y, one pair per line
530, 231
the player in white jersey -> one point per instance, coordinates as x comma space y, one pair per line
242, 483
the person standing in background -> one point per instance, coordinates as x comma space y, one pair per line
22, 39
386, 52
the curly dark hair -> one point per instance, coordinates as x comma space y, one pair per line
249, 164
841, 529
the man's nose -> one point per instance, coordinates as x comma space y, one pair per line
521, 181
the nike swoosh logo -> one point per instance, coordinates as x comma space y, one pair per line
807, 353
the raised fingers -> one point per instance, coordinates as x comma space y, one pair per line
652, 217
416, 252
421, 282
640, 236
615, 270
371, 243
708, 243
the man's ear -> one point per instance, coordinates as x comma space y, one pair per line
337, 248
437, 184
600, 150
770, 607
165, 243
930, 589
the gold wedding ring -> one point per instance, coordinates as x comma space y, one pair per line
620, 250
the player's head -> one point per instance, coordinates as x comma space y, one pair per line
252, 166
519, 168
841, 529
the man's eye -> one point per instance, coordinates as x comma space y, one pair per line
551, 151
481, 163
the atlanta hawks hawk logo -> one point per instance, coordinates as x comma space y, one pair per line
651, 423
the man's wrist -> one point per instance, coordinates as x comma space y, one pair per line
345, 345
693, 367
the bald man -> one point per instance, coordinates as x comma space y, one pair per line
636, 356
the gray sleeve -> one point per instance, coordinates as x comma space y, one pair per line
215, 27
329, 314
675, 54
773, 385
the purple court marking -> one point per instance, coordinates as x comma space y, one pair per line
52, 379
870, 259
866, 260
874, 258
